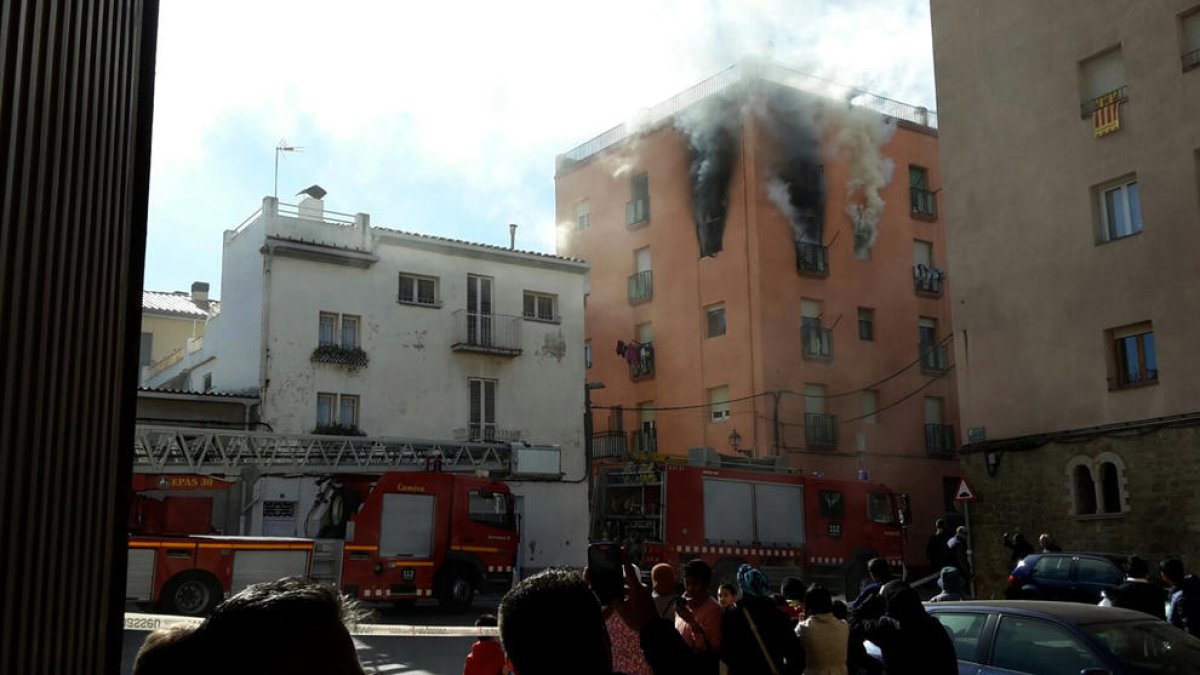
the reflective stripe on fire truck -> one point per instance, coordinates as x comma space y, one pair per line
726, 550
499, 568
475, 549
225, 545
360, 547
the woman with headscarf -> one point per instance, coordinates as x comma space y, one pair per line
757, 638
910, 641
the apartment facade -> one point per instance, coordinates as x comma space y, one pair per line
173, 323
737, 303
340, 327
1071, 164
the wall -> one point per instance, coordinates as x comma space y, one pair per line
236, 333
193, 410
170, 333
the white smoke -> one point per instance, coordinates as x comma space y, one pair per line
777, 192
860, 137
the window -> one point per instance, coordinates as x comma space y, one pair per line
340, 330
348, 411
349, 331
641, 282
1135, 356
482, 421
879, 508
870, 404
1120, 209
1092, 571
637, 209
418, 290
1190, 24
920, 197
833, 504
716, 320
718, 404
1040, 648
926, 277
866, 323
145, 349
325, 404
587, 354
583, 215
1097, 485
927, 332
816, 341
964, 630
1085, 490
814, 398
541, 306
1110, 488
489, 508
207, 382
327, 329
1101, 75
337, 410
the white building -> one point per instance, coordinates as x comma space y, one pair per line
341, 327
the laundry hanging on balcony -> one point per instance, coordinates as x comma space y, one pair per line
635, 354
1107, 116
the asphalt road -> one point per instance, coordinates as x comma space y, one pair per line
387, 654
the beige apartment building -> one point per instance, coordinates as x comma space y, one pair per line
173, 325
1070, 157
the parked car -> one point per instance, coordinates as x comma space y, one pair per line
1006, 637
1067, 577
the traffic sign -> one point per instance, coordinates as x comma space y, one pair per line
964, 493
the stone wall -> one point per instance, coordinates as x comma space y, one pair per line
1032, 492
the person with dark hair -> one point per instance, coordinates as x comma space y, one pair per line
910, 641
486, 656
169, 651
1139, 592
793, 590
951, 583
824, 637
936, 550
757, 638
1046, 544
290, 626
1184, 609
880, 573
841, 610
1018, 548
698, 618
727, 595
957, 547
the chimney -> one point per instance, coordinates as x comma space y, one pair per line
200, 291
512, 236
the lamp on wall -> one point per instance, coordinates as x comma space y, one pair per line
735, 439
993, 461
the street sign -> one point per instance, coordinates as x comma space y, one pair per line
964, 493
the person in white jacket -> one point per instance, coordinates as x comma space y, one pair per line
824, 636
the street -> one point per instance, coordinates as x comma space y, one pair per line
380, 654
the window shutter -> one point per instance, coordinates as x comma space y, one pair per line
426, 294
476, 405
473, 295
485, 296
489, 395
545, 308
529, 304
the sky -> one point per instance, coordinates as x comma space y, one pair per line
445, 118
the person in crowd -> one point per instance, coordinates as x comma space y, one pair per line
880, 573
1046, 544
698, 617
758, 639
666, 593
624, 642
793, 591
1018, 548
727, 595
290, 626
1139, 592
957, 546
951, 583
486, 656
935, 550
824, 636
841, 610
1184, 596
910, 641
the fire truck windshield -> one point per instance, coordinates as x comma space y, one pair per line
490, 508
879, 508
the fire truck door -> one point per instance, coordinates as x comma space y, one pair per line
252, 567
406, 525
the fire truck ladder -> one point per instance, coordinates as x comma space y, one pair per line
163, 449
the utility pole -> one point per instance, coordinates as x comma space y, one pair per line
588, 451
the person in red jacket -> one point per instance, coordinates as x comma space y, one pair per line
487, 656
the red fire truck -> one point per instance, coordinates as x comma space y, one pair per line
787, 524
396, 537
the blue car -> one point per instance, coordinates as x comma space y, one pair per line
1009, 637
1067, 577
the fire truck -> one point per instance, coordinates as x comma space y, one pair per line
392, 521
728, 511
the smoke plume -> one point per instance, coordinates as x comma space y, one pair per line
861, 135
796, 181
713, 129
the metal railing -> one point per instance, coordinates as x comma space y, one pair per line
643, 366
486, 333
641, 287
1118, 95
820, 431
329, 217
816, 342
608, 444
934, 358
812, 259
1190, 60
928, 280
922, 202
939, 439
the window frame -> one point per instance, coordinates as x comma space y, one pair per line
583, 215
709, 313
538, 297
483, 422
866, 319
1105, 227
415, 299
1118, 343
1189, 54
332, 398
718, 410
334, 321
352, 320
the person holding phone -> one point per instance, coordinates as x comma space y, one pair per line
698, 617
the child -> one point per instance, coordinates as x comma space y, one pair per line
727, 595
486, 657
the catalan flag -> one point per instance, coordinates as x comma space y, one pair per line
1107, 116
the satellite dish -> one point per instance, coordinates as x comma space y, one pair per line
314, 191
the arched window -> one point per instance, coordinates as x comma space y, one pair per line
1110, 487
1085, 490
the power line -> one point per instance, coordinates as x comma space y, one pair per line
682, 407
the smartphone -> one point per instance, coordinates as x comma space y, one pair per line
606, 574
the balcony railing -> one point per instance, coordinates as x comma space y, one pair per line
1191, 60
816, 342
939, 439
642, 365
641, 287
922, 202
934, 358
497, 334
637, 211
608, 445
1090, 106
643, 442
820, 431
812, 259
928, 280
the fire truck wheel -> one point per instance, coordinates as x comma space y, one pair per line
456, 592
191, 593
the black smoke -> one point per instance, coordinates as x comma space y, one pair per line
790, 120
713, 128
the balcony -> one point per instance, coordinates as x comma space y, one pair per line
495, 334
1191, 60
641, 365
637, 212
1090, 106
641, 287
352, 357
812, 259
939, 439
928, 280
935, 359
608, 445
816, 342
820, 431
922, 202
643, 442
